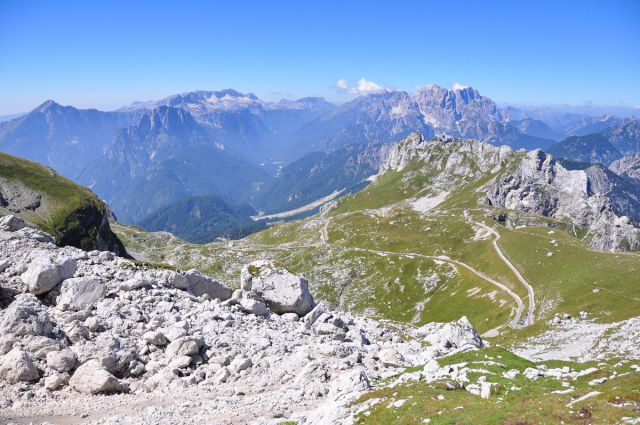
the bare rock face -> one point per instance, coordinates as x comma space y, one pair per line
200, 285
283, 291
594, 198
16, 366
627, 166
12, 223
93, 378
80, 292
455, 335
45, 272
26, 316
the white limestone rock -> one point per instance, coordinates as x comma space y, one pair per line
200, 285
45, 272
184, 346
451, 335
26, 316
16, 366
253, 306
155, 338
61, 361
283, 291
11, 223
56, 380
80, 292
93, 378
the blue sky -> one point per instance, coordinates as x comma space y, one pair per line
107, 54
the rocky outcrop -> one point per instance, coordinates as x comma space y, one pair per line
80, 292
16, 366
116, 328
69, 212
44, 272
594, 198
93, 378
628, 166
283, 291
603, 205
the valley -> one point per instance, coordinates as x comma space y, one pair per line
450, 276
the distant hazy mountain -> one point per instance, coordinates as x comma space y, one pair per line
202, 219
603, 147
536, 128
593, 149
626, 137
243, 123
563, 123
166, 157
377, 117
319, 174
62, 137
391, 115
10, 117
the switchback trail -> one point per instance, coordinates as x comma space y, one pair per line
532, 304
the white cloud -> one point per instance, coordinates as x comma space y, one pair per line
458, 86
363, 86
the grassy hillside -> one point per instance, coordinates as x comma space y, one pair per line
375, 253
69, 212
516, 400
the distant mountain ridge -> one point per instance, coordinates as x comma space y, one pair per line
62, 137
166, 157
604, 147
202, 219
277, 155
391, 115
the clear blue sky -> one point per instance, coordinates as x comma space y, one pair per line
108, 53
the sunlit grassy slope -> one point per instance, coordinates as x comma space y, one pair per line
71, 213
373, 253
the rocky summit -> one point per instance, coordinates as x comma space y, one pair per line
92, 337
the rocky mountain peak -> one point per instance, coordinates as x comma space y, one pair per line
47, 106
166, 119
627, 166
592, 197
51, 108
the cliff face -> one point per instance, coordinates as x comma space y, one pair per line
88, 228
594, 198
73, 215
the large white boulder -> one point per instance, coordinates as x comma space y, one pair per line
16, 366
185, 346
44, 273
200, 285
80, 292
61, 361
176, 280
93, 378
11, 223
283, 291
451, 335
26, 316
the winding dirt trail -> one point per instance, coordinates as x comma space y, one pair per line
324, 237
532, 303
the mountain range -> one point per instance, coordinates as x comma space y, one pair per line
277, 156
